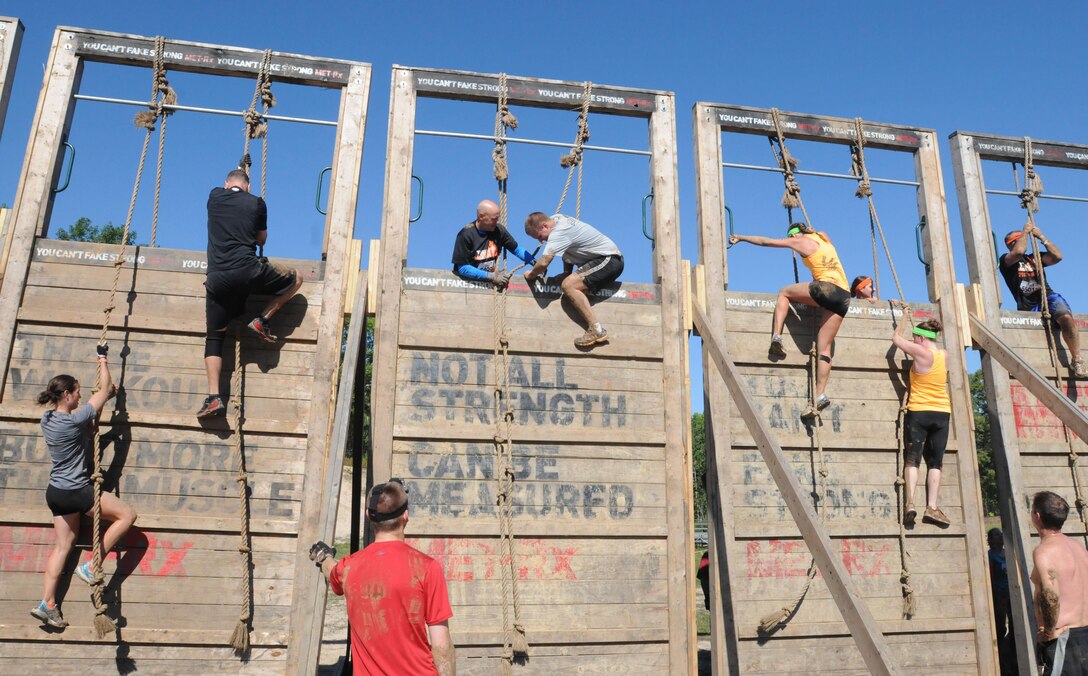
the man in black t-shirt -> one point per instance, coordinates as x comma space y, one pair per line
1018, 269
237, 225
477, 247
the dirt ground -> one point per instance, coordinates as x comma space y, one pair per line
334, 635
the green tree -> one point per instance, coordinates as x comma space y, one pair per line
984, 444
698, 465
83, 231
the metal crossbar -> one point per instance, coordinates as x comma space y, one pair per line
533, 142
825, 174
211, 111
1042, 196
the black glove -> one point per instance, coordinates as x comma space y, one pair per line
102, 349
321, 551
500, 279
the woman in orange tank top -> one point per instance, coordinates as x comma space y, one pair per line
928, 415
828, 291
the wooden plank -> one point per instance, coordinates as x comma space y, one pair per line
196, 57
1011, 148
340, 221
11, 38
840, 130
857, 617
33, 198
1012, 495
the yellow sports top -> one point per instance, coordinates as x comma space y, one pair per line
929, 391
824, 263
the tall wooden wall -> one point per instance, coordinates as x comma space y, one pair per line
177, 584
760, 556
602, 515
1030, 449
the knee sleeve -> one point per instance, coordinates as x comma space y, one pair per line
824, 357
213, 343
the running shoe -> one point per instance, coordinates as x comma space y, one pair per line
776, 350
591, 338
260, 326
213, 406
50, 616
83, 572
936, 517
910, 515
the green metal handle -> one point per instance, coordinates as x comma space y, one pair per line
728, 227
71, 161
419, 211
320, 182
646, 233
918, 242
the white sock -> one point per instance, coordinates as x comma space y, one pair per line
776, 337
597, 327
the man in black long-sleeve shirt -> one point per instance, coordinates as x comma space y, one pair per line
237, 225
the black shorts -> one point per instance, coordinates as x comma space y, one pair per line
228, 290
600, 271
1066, 655
830, 297
63, 501
926, 436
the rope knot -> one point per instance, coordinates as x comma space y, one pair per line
256, 127
97, 477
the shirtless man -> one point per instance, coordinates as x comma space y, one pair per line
1060, 578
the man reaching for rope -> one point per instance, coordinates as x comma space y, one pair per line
1018, 269
398, 606
828, 291
477, 247
1060, 578
237, 225
579, 244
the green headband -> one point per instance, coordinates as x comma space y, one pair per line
794, 230
926, 333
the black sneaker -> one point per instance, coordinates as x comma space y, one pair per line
776, 350
260, 327
213, 406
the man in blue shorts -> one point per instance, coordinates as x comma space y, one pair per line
1018, 269
237, 225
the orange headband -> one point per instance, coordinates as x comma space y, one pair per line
864, 283
1013, 237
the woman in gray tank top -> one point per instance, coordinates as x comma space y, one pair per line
68, 428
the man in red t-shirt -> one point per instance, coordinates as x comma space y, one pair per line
398, 606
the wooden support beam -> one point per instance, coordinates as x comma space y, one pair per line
870, 642
343, 198
11, 38
986, 294
1048, 395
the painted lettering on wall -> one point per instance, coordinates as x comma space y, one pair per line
790, 558
464, 485
459, 387
842, 499
1037, 422
25, 549
465, 559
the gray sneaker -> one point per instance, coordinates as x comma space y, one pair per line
1078, 368
50, 616
591, 338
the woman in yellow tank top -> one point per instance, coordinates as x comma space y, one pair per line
828, 291
928, 416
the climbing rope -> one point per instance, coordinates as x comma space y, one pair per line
257, 123
256, 127
103, 624
573, 159
791, 198
515, 645
1029, 201
239, 641
162, 95
819, 495
865, 191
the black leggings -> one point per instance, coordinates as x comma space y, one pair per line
927, 436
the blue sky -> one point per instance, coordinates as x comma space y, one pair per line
991, 67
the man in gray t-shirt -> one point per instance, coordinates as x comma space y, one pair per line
597, 258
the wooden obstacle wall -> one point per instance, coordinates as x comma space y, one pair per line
178, 581
11, 37
1030, 448
761, 551
602, 515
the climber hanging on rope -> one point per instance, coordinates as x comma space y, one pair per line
477, 247
1019, 270
828, 291
237, 225
928, 415
579, 244
66, 428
